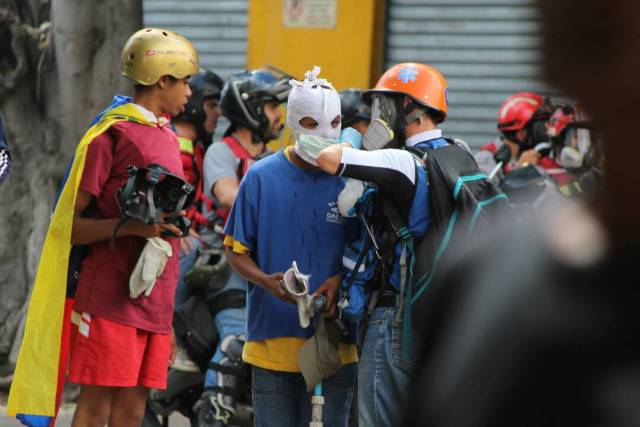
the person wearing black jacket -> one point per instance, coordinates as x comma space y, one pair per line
540, 326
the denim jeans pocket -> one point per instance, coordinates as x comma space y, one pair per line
403, 359
264, 381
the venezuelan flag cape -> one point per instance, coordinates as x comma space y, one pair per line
42, 364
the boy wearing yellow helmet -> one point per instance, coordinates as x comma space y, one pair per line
111, 340
132, 336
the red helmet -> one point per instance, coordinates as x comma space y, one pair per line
518, 110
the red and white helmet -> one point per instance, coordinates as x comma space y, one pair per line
560, 119
518, 110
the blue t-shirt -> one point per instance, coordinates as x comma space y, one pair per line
283, 213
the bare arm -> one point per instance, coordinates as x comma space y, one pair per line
329, 158
89, 230
225, 190
248, 269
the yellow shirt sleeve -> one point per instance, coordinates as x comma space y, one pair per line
235, 246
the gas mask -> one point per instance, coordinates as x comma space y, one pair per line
570, 134
575, 145
315, 98
386, 127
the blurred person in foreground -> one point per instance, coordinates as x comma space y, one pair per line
540, 327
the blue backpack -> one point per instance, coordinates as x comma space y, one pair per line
359, 262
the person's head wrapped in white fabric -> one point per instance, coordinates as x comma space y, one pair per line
315, 98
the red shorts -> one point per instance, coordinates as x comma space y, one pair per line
108, 353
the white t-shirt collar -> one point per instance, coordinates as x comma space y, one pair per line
423, 136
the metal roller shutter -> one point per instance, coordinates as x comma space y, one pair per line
217, 29
487, 50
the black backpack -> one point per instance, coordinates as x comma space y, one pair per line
463, 202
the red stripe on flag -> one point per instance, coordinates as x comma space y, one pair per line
65, 347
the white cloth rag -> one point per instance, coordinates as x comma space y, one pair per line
150, 266
297, 285
349, 196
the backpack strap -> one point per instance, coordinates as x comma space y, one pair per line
419, 154
402, 233
246, 159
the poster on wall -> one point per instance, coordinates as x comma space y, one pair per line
309, 13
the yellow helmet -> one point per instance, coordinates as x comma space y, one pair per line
151, 53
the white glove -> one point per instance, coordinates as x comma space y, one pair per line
150, 266
297, 285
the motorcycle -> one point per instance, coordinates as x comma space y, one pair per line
195, 331
527, 187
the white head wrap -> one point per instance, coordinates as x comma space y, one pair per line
315, 98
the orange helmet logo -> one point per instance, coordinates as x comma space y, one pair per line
409, 74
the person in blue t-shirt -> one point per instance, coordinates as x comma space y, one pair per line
286, 210
413, 99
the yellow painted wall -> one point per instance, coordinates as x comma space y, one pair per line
350, 54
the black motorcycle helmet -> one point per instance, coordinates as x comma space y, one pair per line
353, 107
205, 84
151, 190
244, 96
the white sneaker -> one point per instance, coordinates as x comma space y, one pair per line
183, 362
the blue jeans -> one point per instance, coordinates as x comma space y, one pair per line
280, 399
232, 321
384, 374
186, 263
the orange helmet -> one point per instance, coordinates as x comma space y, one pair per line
423, 83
